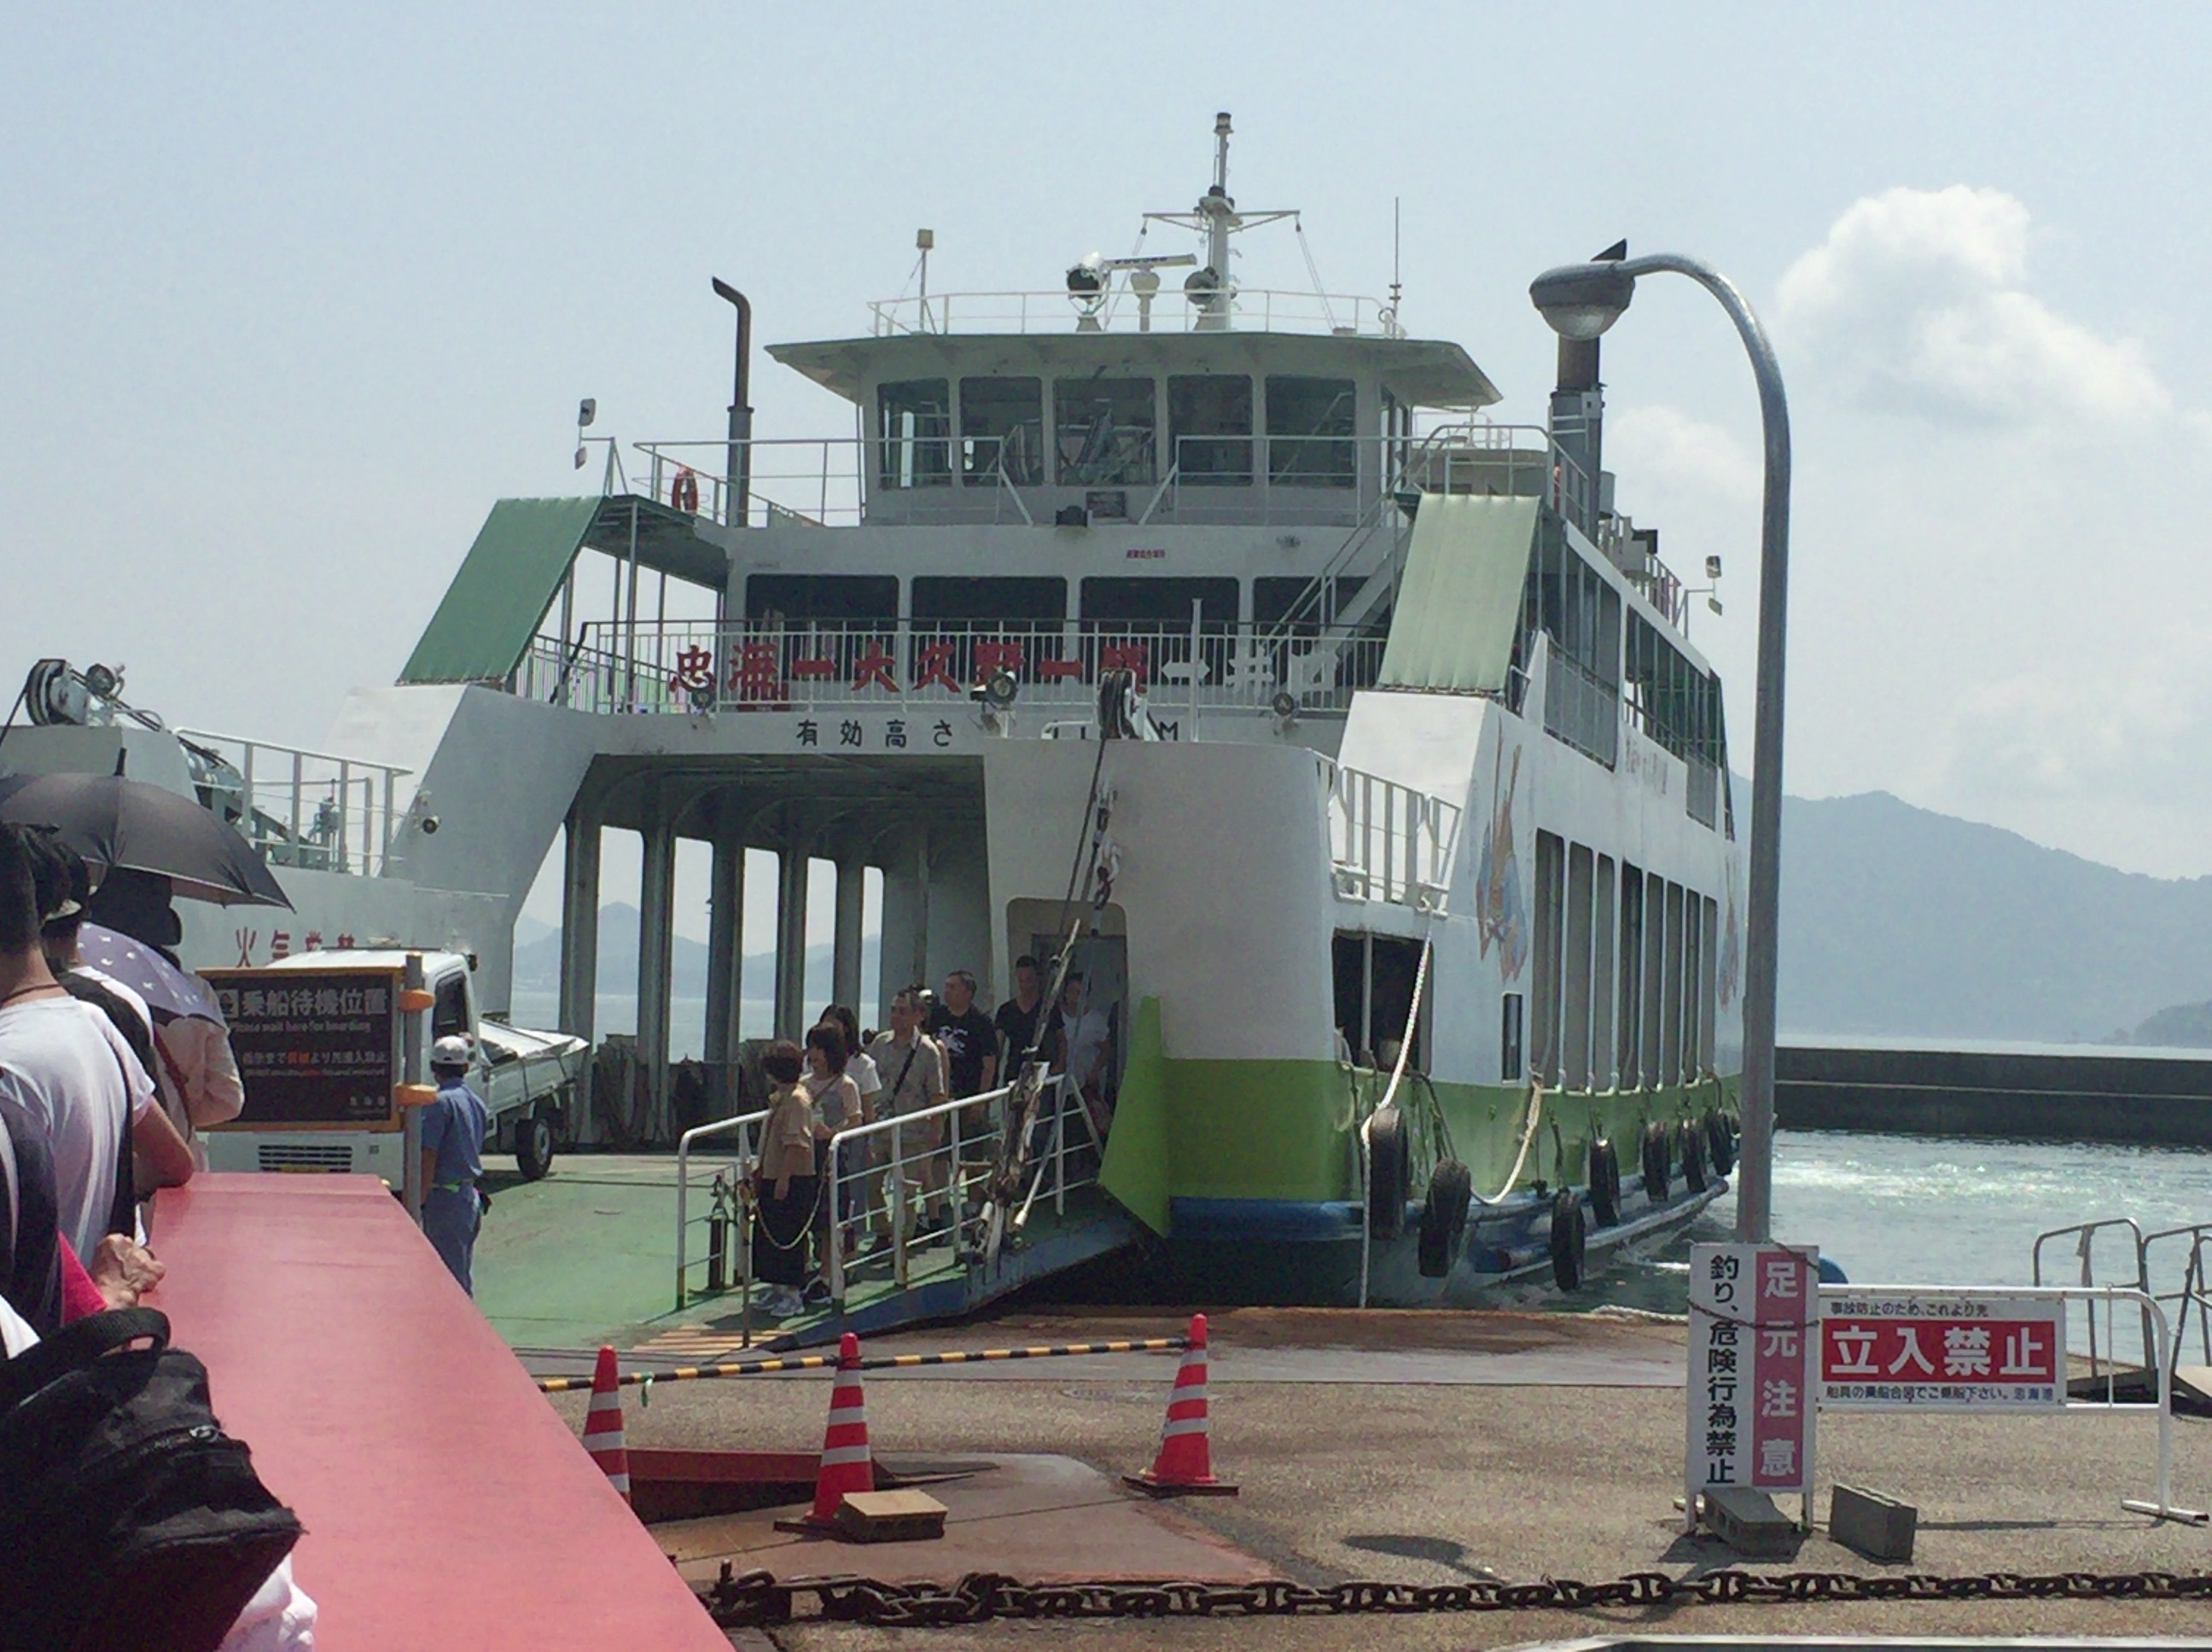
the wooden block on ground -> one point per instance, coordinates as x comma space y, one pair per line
891, 1516
1748, 1522
1880, 1529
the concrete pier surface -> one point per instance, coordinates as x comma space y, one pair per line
1437, 1447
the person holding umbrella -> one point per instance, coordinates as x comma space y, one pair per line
66, 1077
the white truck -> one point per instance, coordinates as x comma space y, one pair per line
332, 1046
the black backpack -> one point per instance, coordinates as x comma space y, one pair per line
128, 1518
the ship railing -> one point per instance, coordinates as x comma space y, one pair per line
871, 1176
1389, 841
928, 476
1118, 309
315, 810
1580, 709
930, 667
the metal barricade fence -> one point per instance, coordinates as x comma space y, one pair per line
2110, 1297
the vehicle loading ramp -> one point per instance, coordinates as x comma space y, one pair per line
522, 554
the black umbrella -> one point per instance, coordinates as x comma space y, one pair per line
117, 824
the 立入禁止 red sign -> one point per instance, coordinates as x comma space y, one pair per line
1887, 1350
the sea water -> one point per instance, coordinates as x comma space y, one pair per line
1914, 1210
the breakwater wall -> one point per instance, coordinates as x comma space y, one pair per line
2026, 1093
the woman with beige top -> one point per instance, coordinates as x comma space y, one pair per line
784, 1194
838, 1105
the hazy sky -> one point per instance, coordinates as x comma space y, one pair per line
290, 297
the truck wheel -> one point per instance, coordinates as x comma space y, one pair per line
533, 1146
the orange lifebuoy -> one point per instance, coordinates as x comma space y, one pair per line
683, 492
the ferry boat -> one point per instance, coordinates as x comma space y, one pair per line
1356, 742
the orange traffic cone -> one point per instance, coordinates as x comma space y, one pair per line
846, 1464
603, 1424
1185, 1465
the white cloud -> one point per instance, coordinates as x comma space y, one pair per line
1918, 297
1667, 450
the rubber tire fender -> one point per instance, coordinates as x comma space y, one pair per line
1657, 1153
1693, 1157
1721, 1140
1604, 1184
1387, 1172
1570, 1239
1444, 1217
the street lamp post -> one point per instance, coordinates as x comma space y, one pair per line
1581, 301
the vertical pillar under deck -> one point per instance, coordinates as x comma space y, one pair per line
580, 952
655, 941
791, 939
845, 966
724, 949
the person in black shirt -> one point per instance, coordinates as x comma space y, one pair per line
1017, 1020
965, 1034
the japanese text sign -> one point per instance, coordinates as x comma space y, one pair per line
317, 1047
1754, 1337
1941, 1351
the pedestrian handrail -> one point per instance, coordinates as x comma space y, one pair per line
2194, 1291
2084, 1236
842, 1167
737, 1163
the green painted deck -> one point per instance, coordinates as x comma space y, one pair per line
587, 1255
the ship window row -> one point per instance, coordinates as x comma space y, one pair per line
1011, 602
1627, 972
1101, 432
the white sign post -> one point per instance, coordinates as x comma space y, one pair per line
1891, 1349
1753, 1365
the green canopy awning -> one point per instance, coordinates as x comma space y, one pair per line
499, 596
1459, 601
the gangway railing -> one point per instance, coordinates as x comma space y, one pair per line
2194, 1292
2134, 1276
869, 1173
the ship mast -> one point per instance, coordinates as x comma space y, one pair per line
1211, 289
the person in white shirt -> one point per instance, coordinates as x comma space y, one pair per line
66, 1075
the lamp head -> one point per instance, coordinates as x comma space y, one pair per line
1581, 301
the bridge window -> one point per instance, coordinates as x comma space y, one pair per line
1309, 431
914, 432
803, 597
1210, 416
990, 600
1002, 430
1161, 602
1276, 599
1105, 430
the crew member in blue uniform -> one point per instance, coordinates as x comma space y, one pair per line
453, 1158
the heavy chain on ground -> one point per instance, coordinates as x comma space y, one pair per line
755, 1599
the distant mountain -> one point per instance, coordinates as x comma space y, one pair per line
2178, 1026
1900, 921
537, 958
1896, 921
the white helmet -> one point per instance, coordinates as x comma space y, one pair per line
451, 1051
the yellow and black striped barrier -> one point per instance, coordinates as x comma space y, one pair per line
880, 1363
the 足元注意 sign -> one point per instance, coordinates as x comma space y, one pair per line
1754, 1332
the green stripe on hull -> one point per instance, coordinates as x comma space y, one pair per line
1284, 1129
